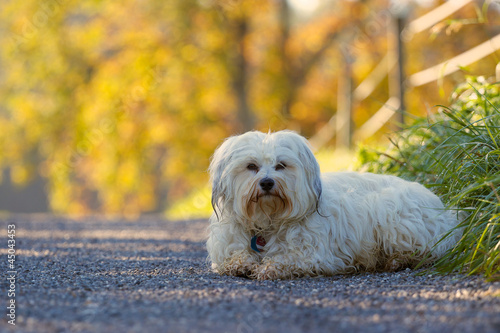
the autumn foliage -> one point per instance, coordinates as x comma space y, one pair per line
119, 105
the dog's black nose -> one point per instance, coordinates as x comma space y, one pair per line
266, 184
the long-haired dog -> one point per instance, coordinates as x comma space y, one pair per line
277, 217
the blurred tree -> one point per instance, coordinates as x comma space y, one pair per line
120, 105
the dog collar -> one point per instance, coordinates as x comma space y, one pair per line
257, 243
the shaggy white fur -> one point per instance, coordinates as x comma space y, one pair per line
267, 188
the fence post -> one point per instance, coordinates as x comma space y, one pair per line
399, 10
344, 104
397, 88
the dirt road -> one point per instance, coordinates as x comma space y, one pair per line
151, 275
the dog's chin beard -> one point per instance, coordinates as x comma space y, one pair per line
264, 208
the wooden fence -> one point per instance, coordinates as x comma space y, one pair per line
340, 125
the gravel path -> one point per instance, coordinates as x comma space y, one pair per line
151, 275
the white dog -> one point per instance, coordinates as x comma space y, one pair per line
277, 217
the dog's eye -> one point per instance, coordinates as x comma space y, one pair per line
280, 166
252, 167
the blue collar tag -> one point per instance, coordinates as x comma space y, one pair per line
257, 243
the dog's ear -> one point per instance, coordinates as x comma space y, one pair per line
311, 167
217, 169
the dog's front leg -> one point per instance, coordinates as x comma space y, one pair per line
229, 250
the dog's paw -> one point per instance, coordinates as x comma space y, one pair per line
239, 265
245, 269
270, 270
265, 273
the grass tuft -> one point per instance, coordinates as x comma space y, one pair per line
456, 153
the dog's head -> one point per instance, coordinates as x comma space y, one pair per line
263, 178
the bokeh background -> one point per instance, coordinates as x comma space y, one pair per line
114, 107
